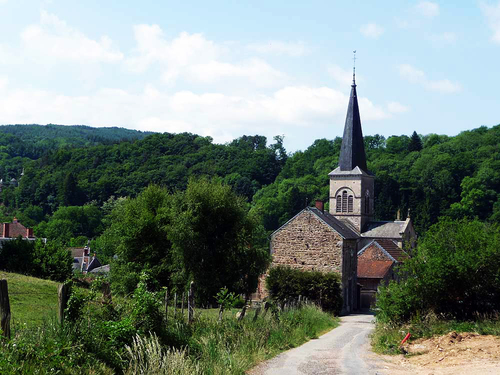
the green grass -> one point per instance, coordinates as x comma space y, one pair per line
387, 337
32, 300
97, 341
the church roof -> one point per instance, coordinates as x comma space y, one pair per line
384, 229
335, 223
352, 151
341, 228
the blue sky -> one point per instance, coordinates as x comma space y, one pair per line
226, 68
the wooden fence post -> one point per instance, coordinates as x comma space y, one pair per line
63, 293
106, 291
175, 305
4, 309
191, 303
166, 305
182, 306
257, 312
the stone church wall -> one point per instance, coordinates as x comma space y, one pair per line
308, 244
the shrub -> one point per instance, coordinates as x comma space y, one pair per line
285, 283
454, 273
45, 260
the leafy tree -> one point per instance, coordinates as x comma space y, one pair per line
455, 273
139, 231
220, 244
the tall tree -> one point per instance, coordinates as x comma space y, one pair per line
220, 243
415, 142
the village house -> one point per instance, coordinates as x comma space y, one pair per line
346, 239
10, 231
84, 262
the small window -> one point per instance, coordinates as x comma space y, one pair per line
344, 201
367, 203
339, 204
350, 204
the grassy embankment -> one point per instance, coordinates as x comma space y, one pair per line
94, 344
387, 337
32, 300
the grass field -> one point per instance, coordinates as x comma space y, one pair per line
32, 300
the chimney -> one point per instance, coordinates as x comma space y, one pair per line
29, 233
15, 220
6, 233
320, 206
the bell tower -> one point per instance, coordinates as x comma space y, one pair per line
351, 184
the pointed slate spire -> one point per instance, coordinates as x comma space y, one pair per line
352, 151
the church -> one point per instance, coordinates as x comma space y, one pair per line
346, 239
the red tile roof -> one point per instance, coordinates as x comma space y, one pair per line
373, 269
392, 248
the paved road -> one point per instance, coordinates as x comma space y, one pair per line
344, 350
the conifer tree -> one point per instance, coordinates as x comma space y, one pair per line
415, 142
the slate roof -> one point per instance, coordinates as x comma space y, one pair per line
94, 263
373, 269
102, 269
335, 223
384, 229
352, 151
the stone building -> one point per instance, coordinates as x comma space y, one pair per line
330, 241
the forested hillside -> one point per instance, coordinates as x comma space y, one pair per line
432, 175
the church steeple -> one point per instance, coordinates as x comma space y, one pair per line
351, 184
352, 151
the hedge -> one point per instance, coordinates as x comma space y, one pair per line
285, 283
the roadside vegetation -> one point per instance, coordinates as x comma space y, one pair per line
132, 335
451, 283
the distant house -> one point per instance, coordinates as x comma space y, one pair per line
9, 231
84, 262
376, 262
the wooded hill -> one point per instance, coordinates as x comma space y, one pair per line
432, 175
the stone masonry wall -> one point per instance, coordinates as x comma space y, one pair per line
309, 244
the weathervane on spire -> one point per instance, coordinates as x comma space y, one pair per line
354, 68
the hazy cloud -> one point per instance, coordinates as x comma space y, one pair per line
195, 58
52, 39
492, 15
427, 9
417, 76
372, 30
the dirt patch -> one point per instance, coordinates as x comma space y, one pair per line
454, 353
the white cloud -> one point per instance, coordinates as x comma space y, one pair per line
417, 76
395, 107
427, 9
342, 76
221, 116
276, 47
195, 58
54, 40
372, 30
492, 15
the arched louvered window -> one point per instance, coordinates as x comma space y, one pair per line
344, 201
339, 204
350, 204
367, 203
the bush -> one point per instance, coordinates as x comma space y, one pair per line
454, 274
45, 260
285, 283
